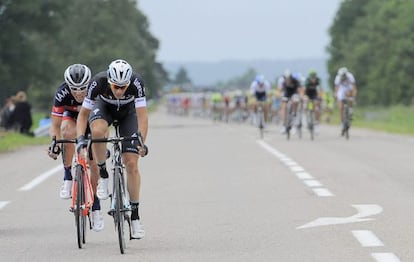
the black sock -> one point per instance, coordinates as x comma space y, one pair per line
68, 173
102, 170
96, 203
134, 208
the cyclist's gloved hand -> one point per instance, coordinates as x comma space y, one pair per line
143, 150
80, 143
53, 151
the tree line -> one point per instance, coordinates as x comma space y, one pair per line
374, 39
40, 38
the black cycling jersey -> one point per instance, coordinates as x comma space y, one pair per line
106, 106
290, 86
312, 88
99, 87
260, 96
64, 103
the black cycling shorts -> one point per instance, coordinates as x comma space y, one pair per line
126, 117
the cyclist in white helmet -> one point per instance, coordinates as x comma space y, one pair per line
117, 94
345, 88
260, 89
67, 102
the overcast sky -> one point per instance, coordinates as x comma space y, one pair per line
215, 30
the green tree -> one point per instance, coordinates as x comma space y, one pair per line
39, 39
374, 38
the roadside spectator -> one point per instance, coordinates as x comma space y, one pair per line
21, 117
6, 111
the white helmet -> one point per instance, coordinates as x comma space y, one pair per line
119, 72
287, 73
342, 71
77, 77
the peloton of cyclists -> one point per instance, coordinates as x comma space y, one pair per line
117, 94
314, 92
345, 89
67, 102
290, 88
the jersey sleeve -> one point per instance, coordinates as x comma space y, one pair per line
337, 80
58, 103
140, 97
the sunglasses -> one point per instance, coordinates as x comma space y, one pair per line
78, 88
118, 87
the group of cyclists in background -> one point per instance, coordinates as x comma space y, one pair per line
241, 105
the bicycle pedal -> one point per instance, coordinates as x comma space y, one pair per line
111, 212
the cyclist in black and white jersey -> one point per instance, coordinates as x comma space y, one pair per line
314, 92
67, 103
117, 94
291, 88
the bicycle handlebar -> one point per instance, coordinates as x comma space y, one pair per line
113, 140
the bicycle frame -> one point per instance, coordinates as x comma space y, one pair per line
82, 192
81, 162
120, 207
310, 116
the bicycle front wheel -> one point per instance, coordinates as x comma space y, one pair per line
119, 211
80, 200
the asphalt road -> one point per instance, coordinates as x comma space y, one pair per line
216, 192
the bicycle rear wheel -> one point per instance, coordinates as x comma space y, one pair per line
347, 122
288, 119
311, 125
261, 123
80, 200
119, 212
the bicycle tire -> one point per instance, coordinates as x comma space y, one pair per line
79, 217
311, 125
119, 214
347, 122
288, 117
261, 124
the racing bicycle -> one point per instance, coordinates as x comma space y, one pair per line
82, 193
120, 208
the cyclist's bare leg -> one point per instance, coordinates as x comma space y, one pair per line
99, 129
282, 112
133, 175
68, 131
341, 110
317, 110
94, 175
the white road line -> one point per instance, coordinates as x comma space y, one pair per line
303, 175
312, 183
297, 169
290, 163
322, 192
41, 178
367, 238
272, 150
3, 204
385, 257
